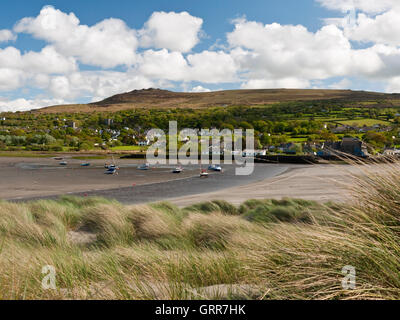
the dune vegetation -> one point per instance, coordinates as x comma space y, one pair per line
269, 249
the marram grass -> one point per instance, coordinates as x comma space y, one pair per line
269, 249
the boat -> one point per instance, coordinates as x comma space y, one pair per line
63, 163
144, 166
85, 164
215, 167
111, 171
203, 173
177, 170
110, 166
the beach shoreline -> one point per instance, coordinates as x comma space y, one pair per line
27, 179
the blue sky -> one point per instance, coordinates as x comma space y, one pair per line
92, 49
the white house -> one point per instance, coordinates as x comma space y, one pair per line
254, 153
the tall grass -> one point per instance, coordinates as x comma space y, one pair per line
269, 249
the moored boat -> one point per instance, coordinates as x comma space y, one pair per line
203, 174
144, 166
215, 167
177, 170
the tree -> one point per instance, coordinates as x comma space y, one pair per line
266, 139
375, 138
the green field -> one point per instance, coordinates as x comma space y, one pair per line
364, 122
298, 140
128, 148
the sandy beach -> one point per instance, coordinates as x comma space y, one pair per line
320, 183
37, 178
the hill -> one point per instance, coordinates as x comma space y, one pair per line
164, 99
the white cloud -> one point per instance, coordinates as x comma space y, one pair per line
10, 57
16, 69
173, 31
342, 84
393, 85
163, 64
10, 79
370, 6
382, 29
60, 87
287, 83
212, 67
96, 85
280, 52
200, 89
27, 104
107, 44
7, 35
48, 60
206, 66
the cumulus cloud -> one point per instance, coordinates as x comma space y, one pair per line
383, 28
280, 54
17, 68
48, 60
163, 64
7, 35
172, 31
212, 67
107, 44
27, 104
369, 6
200, 89
342, 84
393, 85
206, 66
96, 85
285, 83
10, 79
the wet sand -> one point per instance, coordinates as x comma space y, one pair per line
36, 177
32, 178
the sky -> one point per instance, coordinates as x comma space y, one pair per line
58, 52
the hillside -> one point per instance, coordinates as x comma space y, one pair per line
157, 98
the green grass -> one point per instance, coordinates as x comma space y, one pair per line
128, 148
299, 140
263, 249
364, 122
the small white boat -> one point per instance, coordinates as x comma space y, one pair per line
203, 174
144, 166
111, 166
111, 171
215, 167
177, 170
